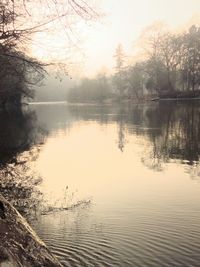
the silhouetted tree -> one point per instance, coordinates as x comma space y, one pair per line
136, 80
119, 78
19, 20
190, 67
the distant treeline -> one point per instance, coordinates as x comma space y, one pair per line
91, 90
171, 68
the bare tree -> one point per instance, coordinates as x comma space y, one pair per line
19, 21
120, 73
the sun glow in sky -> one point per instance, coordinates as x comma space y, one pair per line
123, 23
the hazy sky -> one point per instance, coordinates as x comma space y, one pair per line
124, 22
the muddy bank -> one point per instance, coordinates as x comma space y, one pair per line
20, 246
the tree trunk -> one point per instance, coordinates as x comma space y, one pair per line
19, 244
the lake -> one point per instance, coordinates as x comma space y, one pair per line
135, 173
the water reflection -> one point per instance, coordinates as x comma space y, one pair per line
18, 134
177, 133
20, 142
155, 134
167, 132
138, 217
172, 129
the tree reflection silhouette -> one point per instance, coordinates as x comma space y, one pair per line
170, 131
171, 128
174, 134
19, 145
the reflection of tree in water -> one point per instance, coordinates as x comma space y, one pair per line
18, 147
194, 171
19, 134
121, 129
152, 160
178, 135
121, 136
19, 186
103, 115
91, 112
171, 129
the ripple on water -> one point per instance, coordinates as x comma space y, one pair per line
166, 241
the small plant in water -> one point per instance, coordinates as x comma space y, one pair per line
67, 201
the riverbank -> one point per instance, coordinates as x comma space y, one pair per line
176, 99
163, 96
180, 95
20, 245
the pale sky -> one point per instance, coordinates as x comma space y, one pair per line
123, 23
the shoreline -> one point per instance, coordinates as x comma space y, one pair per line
112, 102
176, 99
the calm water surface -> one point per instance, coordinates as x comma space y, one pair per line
139, 166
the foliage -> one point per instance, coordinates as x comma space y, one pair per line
119, 78
171, 67
19, 21
177, 65
91, 90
